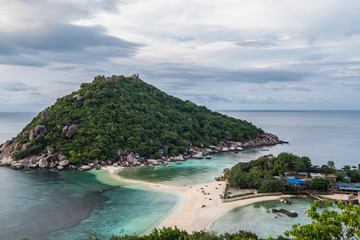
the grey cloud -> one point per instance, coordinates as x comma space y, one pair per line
256, 44
62, 43
353, 32
18, 87
191, 75
315, 57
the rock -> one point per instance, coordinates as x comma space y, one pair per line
108, 162
60, 168
84, 168
224, 172
225, 149
130, 159
6, 160
50, 150
63, 163
78, 99
153, 161
43, 163
232, 148
33, 166
135, 77
179, 158
115, 165
43, 114
31, 135
239, 149
61, 157
113, 79
40, 130
198, 155
91, 164
68, 131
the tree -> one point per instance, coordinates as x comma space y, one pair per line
319, 183
331, 164
274, 185
336, 221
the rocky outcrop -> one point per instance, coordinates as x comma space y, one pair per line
43, 114
179, 158
78, 99
113, 79
153, 161
68, 131
39, 131
198, 155
135, 77
222, 177
43, 163
286, 212
84, 168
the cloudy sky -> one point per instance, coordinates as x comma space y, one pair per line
233, 54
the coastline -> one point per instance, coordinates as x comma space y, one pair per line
189, 213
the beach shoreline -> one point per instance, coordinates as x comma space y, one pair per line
200, 206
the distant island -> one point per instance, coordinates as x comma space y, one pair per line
127, 122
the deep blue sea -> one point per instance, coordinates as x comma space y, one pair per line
43, 204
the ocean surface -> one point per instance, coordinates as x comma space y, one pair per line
70, 204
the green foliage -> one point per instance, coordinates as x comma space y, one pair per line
174, 234
336, 221
319, 183
274, 185
250, 174
133, 116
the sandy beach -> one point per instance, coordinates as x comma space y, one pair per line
190, 215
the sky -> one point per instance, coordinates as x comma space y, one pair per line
225, 55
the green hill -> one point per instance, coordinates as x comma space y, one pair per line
126, 113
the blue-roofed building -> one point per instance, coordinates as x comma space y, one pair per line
348, 187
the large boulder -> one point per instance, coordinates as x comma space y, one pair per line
179, 158
7, 159
69, 131
130, 159
198, 155
153, 161
64, 163
39, 131
84, 168
113, 79
78, 99
25, 146
43, 163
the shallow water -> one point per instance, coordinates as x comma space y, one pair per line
257, 219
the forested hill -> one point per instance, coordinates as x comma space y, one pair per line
125, 113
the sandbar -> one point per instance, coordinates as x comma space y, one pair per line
191, 215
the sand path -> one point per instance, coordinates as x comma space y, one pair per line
191, 216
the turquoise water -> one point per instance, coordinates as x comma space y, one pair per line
192, 171
52, 205
259, 219
42, 204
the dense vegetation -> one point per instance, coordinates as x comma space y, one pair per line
177, 234
260, 173
133, 116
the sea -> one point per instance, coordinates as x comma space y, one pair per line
46, 204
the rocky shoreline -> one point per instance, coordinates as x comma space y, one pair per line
49, 159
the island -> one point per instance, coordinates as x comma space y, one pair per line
123, 121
